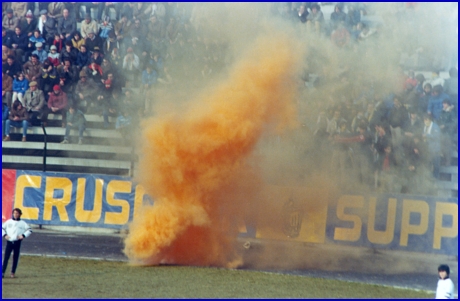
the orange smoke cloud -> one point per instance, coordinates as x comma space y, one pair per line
195, 164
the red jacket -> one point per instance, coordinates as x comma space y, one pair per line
59, 101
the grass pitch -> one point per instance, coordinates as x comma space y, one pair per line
44, 277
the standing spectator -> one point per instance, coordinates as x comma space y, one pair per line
435, 101
448, 124
57, 103
432, 137
34, 101
66, 26
77, 40
18, 118
20, 86
55, 10
11, 67
14, 231
33, 69
87, 26
10, 22
414, 126
338, 16
354, 16
7, 88
20, 9
451, 86
75, 120
445, 288
53, 56
40, 52
28, 24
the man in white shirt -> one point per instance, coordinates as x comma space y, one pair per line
14, 231
445, 289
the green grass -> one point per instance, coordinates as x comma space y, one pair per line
44, 277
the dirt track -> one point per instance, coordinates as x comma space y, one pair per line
401, 269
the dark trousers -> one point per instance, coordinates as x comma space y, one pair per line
14, 247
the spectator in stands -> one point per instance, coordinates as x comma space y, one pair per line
88, 25
131, 65
414, 126
77, 40
20, 86
40, 52
66, 26
53, 56
105, 28
340, 36
315, 19
99, 6
20, 9
149, 78
85, 92
122, 28
75, 120
10, 22
398, 119
49, 77
57, 103
11, 67
83, 57
34, 102
28, 24
6, 38
96, 56
451, 86
435, 101
18, 118
337, 17
55, 10
111, 43
66, 82
432, 137
47, 27
92, 41
58, 43
7, 88
33, 69
5, 115
353, 16
35, 38
19, 44
436, 79
124, 125
95, 72
448, 124
104, 103
69, 52
419, 86
422, 105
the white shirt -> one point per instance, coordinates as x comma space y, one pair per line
445, 289
14, 228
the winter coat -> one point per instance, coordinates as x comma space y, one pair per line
58, 101
20, 86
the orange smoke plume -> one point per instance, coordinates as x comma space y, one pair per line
196, 166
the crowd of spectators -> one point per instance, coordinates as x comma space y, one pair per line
63, 58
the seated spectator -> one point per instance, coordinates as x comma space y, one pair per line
34, 102
116, 59
337, 17
20, 86
111, 43
66, 26
448, 122
19, 44
10, 22
105, 28
149, 78
69, 52
435, 101
67, 86
95, 72
92, 41
40, 52
122, 27
75, 120
53, 56
104, 103
35, 38
6, 38
131, 65
49, 77
96, 56
57, 104
87, 26
28, 24
83, 57
106, 68
55, 10
77, 40
47, 27
33, 69
7, 89
85, 92
58, 43
18, 118
68, 71
315, 19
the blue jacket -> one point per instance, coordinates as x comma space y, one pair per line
149, 79
435, 104
20, 86
42, 55
83, 59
